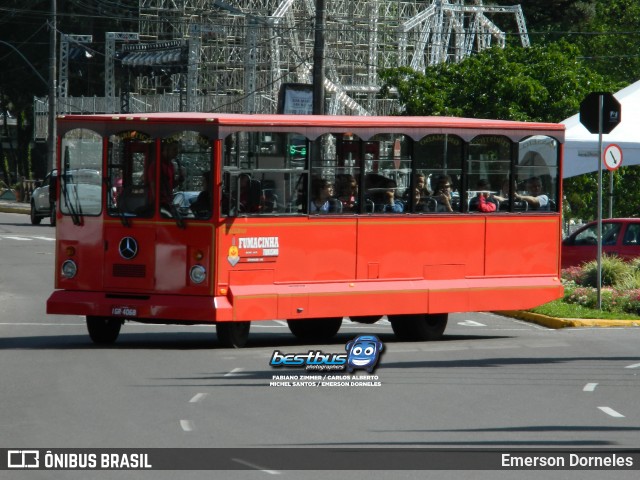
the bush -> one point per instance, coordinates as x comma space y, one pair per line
572, 274
620, 291
615, 273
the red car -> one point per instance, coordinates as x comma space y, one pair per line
620, 236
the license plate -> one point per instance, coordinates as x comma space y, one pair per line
120, 311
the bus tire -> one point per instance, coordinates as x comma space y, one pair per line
419, 327
366, 319
233, 334
103, 330
315, 328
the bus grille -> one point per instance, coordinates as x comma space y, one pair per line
129, 270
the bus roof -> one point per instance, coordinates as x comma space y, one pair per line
311, 126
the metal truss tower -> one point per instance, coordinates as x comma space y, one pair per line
241, 51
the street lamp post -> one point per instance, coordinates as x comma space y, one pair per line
51, 140
318, 60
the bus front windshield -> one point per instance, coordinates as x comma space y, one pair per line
81, 178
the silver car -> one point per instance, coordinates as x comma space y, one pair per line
43, 199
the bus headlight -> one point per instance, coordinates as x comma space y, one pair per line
69, 269
198, 274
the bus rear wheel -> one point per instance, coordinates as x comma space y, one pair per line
316, 328
233, 334
103, 330
419, 327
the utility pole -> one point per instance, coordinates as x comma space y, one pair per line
51, 140
318, 60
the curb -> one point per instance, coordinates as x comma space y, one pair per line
15, 207
552, 322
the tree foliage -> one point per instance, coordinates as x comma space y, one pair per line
540, 83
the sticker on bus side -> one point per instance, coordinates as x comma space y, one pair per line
253, 249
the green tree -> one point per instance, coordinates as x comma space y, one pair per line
540, 83
610, 42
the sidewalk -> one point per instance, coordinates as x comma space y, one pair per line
8, 206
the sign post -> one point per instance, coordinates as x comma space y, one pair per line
600, 113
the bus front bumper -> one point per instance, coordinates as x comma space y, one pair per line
140, 307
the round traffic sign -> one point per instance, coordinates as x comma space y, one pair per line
612, 157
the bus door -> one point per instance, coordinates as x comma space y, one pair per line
129, 235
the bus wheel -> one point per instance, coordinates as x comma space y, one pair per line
103, 330
419, 327
233, 334
316, 328
367, 319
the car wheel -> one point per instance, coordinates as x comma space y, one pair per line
35, 219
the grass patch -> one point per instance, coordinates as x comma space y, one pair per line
561, 309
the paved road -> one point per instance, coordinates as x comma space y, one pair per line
493, 382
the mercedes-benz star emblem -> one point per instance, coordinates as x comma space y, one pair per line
128, 248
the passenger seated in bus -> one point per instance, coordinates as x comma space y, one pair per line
347, 190
503, 194
385, 198
484, 201
168, 155
420, 182
322, 199
419, 201
249, 194
535, 199
442, 193
301, 202
202, 205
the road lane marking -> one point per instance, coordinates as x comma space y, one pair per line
186, 425
48, 239
234, 372
471, 323
255, 467
611, 411
635, 365
589, 387
197, 397
10, 237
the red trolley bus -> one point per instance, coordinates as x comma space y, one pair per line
227, 219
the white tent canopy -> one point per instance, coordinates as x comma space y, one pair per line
581, 153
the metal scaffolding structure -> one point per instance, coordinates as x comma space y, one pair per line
239, 52
245, 49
